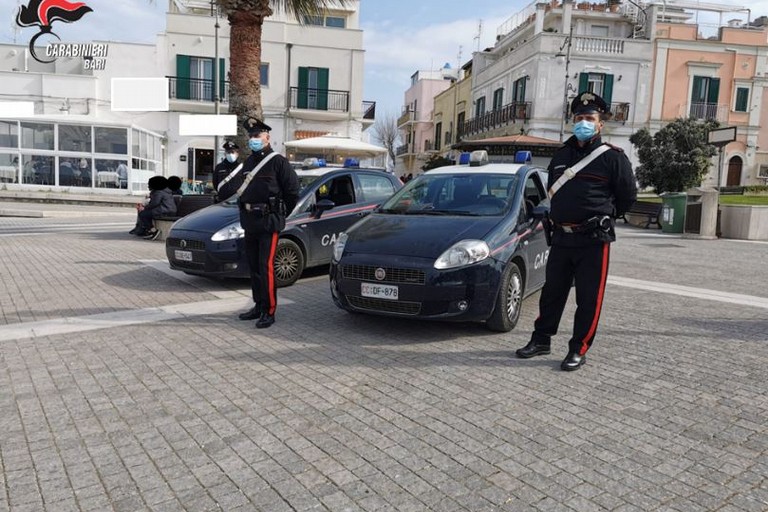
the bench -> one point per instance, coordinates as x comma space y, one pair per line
651, 210
184, 206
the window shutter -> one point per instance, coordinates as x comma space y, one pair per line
182, 76
608, 89
742, 97
322, 86
697, 93
303, 85
222, 79
714, 91
583, 82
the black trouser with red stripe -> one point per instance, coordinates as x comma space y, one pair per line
588, 265
260, 250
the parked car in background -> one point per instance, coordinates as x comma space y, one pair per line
457, 243
209, 242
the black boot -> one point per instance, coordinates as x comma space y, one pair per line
573, 361
533, 348
265, 321
251, 314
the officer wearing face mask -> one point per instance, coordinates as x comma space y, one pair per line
268, 189
227, 169
590, 184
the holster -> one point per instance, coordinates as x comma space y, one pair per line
546, 223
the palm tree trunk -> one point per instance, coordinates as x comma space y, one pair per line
245, 67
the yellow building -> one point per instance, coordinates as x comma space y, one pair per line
451, 108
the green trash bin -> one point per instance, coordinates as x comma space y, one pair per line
673, 211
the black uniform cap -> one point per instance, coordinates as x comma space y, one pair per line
230, 146
589, 102
255, 126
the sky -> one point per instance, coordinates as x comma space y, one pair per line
400, 36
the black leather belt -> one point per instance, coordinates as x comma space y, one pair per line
262, 208
597, 223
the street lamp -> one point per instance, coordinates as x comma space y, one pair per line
566, 86
215, 12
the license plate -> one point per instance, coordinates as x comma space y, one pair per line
182, 255
378, 291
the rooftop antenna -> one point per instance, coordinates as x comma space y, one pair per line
479, 34
458, 57
14, 26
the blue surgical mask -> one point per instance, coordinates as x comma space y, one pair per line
256, 144
232, 157
584, 130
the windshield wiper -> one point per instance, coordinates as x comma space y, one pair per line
390, 210
440, 212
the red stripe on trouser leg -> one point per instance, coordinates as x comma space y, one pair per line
271, 275
600, 293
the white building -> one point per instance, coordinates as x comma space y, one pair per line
312, 82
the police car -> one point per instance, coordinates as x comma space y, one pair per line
209, 242
459, 243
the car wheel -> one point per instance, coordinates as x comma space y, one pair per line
508, 301
289, 262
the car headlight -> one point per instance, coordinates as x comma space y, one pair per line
231, 232
463, 253
338, 247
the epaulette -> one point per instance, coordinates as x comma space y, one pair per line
617, 148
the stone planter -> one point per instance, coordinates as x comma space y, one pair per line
744, 222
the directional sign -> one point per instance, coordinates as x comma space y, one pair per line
721, 136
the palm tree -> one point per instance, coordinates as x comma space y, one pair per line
246, 20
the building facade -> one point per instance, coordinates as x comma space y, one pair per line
312, 82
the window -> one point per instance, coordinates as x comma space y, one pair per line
375, 188
9, 168
75, 172
460, 125
313, 20
704, 97
480, 106
264, 75
335, 21
518, 90
37, 136
598, 83
9, 134
112, 173
742, 99
599, 30
74, 138
194, 78
111, 140
313, 88
498, 98
438, 131
37, 170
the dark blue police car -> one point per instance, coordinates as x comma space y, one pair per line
209, 242
457, 243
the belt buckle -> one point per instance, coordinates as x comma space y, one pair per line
569, 173
567, 229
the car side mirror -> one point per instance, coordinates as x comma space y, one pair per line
321, 206
541, 211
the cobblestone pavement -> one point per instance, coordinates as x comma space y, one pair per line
327, 410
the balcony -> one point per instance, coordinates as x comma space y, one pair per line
708, 111
406, 116
307, 98
369, 110
196, 89
402, 150
508, 114
620, 112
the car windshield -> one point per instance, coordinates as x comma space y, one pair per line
305, 181
466, 193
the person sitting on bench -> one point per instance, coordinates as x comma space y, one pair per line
160, 203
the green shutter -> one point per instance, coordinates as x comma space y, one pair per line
222, 79
322, 89
182, 76
714, 91
522, 89
303, 84
608, 89
742, 98
697, 93
583, 82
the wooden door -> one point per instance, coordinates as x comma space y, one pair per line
734, 172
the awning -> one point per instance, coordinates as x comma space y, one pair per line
342, 146
511, 144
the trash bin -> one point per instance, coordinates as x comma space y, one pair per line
673, 212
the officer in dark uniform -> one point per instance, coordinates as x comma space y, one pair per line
268, 188
583, 208
226, 167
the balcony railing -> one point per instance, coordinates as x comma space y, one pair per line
319, 99
620, 112
708, 111
196, 89
510, 113
369, 110
598, 45
401, 150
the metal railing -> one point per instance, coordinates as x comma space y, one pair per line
620, 112
510, 113
319, 99
195, 89
708, 111
369, 110
401, 150
598, 45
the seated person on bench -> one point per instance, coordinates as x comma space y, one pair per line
160, 204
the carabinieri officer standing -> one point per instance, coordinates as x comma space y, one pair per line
590, 184
268, 188
225, 170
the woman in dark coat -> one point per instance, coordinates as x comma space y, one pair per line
160, 204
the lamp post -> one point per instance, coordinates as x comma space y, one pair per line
566, 85
217, 106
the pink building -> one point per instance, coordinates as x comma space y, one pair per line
724, 77
415, 123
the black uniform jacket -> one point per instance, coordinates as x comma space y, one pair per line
276, 179
161, 203
604, 187
220, 173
